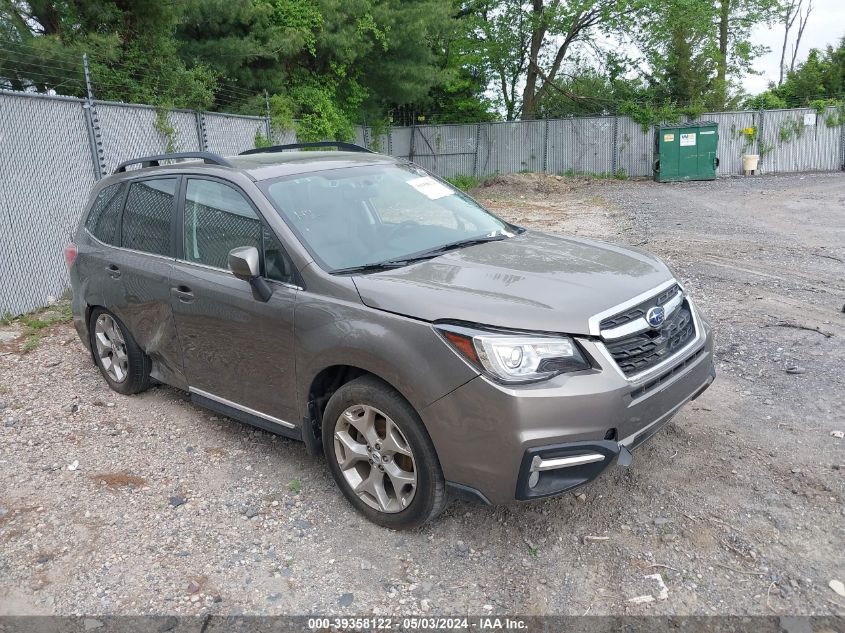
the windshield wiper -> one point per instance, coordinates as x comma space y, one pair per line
472, 241
374, 267
399, 262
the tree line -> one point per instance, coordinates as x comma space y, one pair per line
329, 64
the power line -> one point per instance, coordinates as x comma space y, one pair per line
74, 65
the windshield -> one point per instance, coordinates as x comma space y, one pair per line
359, 216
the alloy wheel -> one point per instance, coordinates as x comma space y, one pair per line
111, 348
375, 458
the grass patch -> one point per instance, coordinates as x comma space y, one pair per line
35, 322
464, 183
295, 486
619, 174
32, 342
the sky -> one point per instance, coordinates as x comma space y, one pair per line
825, 26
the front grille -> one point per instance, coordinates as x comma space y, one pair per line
642, 351
677, 369
632, 314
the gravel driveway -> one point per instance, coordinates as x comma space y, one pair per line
149, 504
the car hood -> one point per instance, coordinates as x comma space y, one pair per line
533, 281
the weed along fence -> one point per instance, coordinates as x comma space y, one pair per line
53, 149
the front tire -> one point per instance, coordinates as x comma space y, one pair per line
122, 362
381, 456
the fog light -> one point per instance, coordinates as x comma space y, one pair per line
533, 479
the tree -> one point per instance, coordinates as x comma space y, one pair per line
677, 41
329, 62
526, 46
588, 91
818, 80
697, 51
736, 19
792, 10
130, 43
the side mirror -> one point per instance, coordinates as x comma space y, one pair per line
244, 264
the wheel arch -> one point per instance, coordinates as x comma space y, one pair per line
321, 387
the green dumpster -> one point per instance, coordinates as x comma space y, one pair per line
686, 151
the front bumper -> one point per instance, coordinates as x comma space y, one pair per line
497, 441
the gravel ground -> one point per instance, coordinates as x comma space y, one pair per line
149, 504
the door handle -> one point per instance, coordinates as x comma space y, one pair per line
185, 294
114, 271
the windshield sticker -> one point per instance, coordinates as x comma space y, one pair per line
430, 188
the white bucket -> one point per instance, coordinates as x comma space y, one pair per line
749, 162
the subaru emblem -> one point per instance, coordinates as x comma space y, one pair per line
655, 316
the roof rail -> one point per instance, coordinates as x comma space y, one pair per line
154, 161
349, 147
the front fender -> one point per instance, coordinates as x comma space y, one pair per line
404, 352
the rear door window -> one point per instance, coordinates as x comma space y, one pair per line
148, 216
104, 217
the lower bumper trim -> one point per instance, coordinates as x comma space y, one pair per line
466, 493
564, 467
551, 470
539, 464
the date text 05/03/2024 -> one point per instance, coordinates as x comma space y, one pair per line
431, 623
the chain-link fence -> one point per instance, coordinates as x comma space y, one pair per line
46, 172
53, 149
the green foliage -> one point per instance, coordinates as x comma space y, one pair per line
330, 64
678, 41
43, 318
31, 343
35, 322
378, 128
619, 174
650, 113
261, 140
315, 112
790, 129
295, 486
133, 54
765, 101
818, 83
464, 182
333, 62
166, 128
764, 148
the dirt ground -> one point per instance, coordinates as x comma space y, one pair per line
148, 504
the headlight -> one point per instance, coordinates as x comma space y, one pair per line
515, 358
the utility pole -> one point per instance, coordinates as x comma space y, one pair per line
87, 71
267, 125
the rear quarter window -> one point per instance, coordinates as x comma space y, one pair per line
104, 217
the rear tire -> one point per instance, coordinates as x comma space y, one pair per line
381, 456
121, 361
